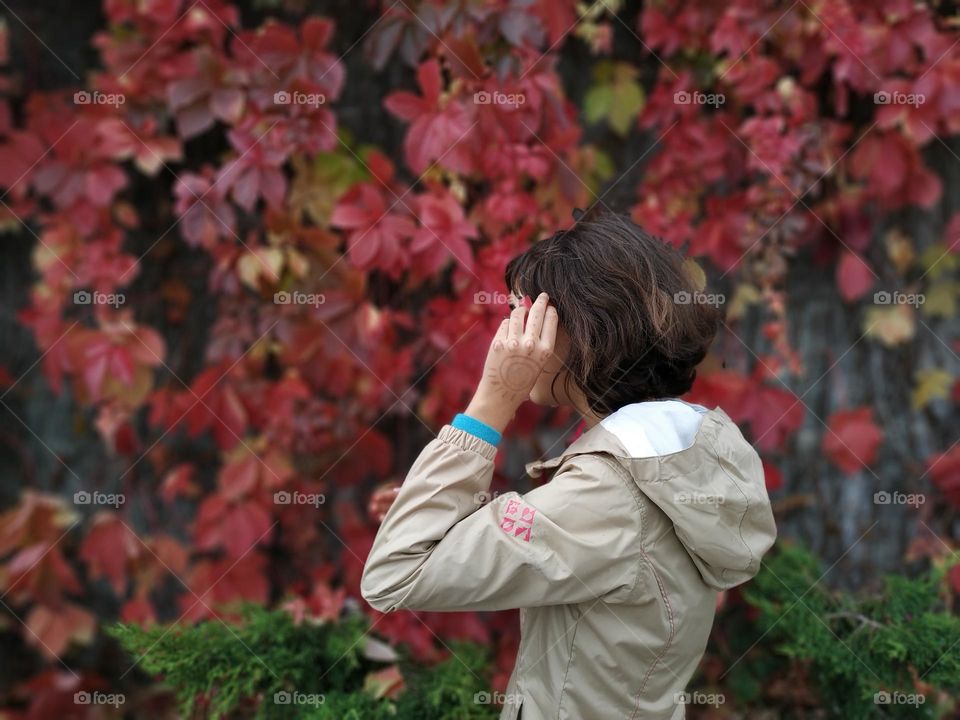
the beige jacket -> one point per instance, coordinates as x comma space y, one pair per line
614, 563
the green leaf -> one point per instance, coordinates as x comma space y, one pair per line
597, 103
616, 97
627, 102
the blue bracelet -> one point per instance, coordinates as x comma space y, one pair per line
476, 427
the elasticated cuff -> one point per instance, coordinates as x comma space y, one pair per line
467, 441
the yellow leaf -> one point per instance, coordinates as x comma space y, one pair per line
297, 263
786, 88
900, 250
255, 264
384, 682
743, 295
933, 384
890, 324
696, 273
941, 299
937, 259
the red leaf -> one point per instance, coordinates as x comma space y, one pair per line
854, 276
179, 483
725, 389
138, 610
37, 518
954, 578
944, 470
405, 105
775, 414
40, 572
772, 475
245, 525
109, 549
238, 478
852, 439
228, 580
377, 234
52, 629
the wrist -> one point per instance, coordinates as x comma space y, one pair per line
496, 415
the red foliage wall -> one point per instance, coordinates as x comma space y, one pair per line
770, 129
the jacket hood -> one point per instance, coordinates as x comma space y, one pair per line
696, 466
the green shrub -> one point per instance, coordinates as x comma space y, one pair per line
837, 650
268, 667
851, 648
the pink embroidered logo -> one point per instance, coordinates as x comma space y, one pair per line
518, 519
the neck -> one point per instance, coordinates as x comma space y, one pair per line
590, 418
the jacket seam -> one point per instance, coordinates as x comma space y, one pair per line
666, 647
566, 672
743, 515
666, 602
627, 481
663, 594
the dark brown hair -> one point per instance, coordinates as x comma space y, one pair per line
635, 317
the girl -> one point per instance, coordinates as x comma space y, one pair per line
615, 563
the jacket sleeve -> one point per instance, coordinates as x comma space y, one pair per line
571, 540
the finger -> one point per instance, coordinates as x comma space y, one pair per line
390, 494
500, 337
516, 326
548, 334
387, 493
531, 334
